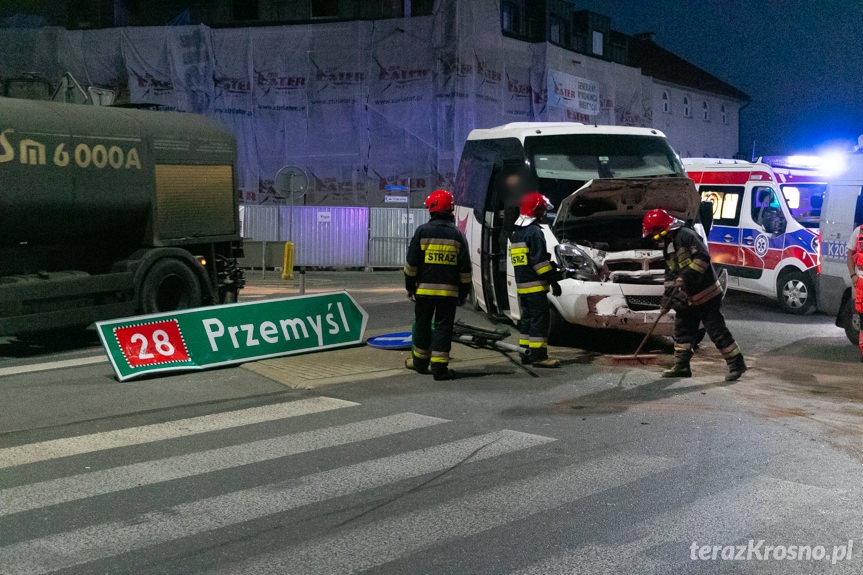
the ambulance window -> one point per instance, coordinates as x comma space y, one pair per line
766, 209
726, 203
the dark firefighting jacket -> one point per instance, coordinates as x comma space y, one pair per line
687, 259
438, 263
531, 261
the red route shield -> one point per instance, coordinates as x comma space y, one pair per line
153, 343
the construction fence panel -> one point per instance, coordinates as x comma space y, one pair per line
327, 236
390, 231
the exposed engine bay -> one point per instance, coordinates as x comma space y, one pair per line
598, 228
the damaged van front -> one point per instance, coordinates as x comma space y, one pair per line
613, 276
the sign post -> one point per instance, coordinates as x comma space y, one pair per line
214, 336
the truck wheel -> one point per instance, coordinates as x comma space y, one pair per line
795, 292
851, 323
169, 284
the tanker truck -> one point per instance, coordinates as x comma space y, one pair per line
109, 212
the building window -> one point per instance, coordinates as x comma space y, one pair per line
666, 102
598, 40
509, 19
556, 30
686, 110
325, 8
724, 114
705, 111
245, 9
422, 7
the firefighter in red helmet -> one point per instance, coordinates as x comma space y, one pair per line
534, 274
694, 292
437, 279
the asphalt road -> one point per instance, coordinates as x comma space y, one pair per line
592, 468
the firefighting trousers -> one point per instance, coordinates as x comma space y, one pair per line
534, 324
858, 305
686, 325
432, 345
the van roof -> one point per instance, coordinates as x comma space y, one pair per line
521, 130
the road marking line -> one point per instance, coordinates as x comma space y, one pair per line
33, 367
97, 542
373, 545
67, 446
52, 492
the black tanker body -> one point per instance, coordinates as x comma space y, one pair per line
107, 212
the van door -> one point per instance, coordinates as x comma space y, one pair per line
763, 227
724, 238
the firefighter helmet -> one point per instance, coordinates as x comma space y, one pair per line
440, 201
533, 206
657, 223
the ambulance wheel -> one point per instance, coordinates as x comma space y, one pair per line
169, 284
796, 292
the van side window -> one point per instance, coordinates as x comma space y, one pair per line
478, 162
766, 208
726, 203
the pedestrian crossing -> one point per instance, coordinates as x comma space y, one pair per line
136, 505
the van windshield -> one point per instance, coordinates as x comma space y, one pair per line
804, 202
563, 163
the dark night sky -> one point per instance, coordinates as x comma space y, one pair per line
800, 62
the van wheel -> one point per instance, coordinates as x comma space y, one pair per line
795, 292
169, 284
851, 323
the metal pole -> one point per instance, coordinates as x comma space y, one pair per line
408, 220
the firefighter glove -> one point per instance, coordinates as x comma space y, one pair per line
555, 289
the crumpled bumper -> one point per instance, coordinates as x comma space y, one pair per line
610, 305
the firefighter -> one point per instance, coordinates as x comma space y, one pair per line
534, 273
855, 270
437, 279
694, 292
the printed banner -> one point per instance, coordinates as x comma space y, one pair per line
573, 93
209, 337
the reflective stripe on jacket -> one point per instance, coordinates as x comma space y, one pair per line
687, 258
531, 261
438, 262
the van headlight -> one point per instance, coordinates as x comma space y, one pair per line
576, 263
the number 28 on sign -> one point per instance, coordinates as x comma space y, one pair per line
152, 343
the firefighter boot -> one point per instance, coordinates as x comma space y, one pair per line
410, 363
441, 372
539, 358
736, 367
680, 369
525, 357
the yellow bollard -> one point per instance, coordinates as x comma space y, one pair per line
288, 267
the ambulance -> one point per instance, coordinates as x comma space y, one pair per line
765, 231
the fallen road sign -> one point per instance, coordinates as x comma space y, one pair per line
206, 337
401, 340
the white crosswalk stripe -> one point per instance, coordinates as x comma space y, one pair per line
78, 445
767, 500
105, 540
372, 546
45, 493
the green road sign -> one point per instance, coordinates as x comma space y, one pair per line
207, 337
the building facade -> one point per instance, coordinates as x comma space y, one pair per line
366, 95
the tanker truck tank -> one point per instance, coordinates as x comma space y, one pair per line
107, 192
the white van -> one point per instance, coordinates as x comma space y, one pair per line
602, 180
765, 226
841, 214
